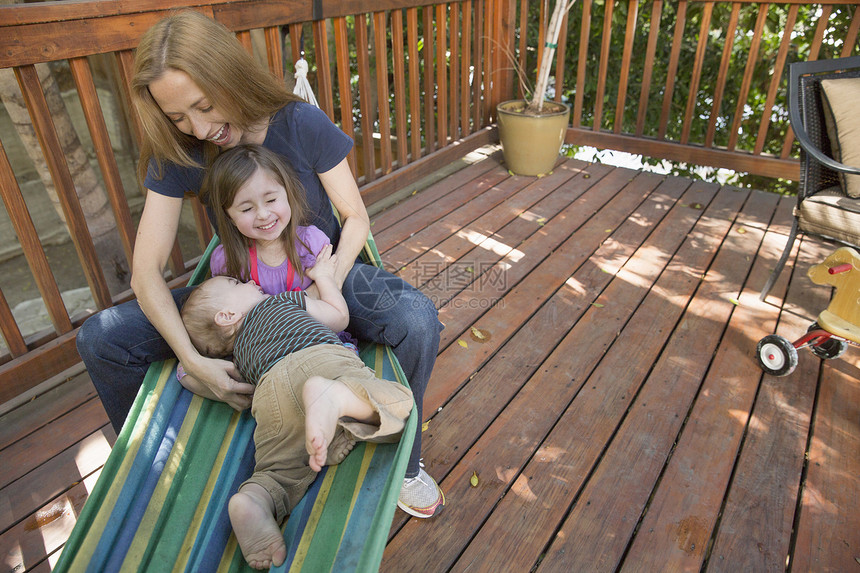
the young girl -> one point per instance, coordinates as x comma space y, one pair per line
259, 209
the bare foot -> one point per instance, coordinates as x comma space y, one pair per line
326, 401
339, 448
322, 411
255, 527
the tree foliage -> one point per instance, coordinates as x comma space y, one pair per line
754, 106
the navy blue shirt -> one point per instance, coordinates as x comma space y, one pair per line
300, 133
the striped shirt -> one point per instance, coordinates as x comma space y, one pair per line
276, 327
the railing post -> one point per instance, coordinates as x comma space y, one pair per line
502, 39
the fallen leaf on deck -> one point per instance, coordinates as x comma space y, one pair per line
735, 301
480, 335
541, 221
425, 425
597, 305
474, 479
463, 343
741, 230
695, 205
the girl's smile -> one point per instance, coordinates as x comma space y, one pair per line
260, 209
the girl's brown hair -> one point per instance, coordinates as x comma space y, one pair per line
245, 92
230, 171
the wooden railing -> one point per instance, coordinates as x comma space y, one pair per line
680, 86
413, 81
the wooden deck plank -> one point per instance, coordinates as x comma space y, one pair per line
542, 494
53, 464
688, 499
32, 541
755, 528
459, 314
479, 233
532, 279
24, 496
780, 226
49, 441
418, 201
510, 440
481, 268
28, 417
421, 241
827, 531
603, 520
408, 225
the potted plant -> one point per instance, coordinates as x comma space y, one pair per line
532, 130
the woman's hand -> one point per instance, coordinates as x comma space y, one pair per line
218, 380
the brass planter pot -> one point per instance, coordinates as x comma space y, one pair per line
530, 143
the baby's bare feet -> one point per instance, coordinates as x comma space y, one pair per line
339, 448
256, 530
326, 402
318, 452
322, 411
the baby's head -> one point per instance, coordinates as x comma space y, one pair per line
214, 311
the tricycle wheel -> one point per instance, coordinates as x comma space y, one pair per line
776, 355
830, 348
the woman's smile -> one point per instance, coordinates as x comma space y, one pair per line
188, 108
222, 136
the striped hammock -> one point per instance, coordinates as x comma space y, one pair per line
160, 503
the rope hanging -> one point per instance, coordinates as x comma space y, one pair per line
303, 86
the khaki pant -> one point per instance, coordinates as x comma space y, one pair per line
281, 458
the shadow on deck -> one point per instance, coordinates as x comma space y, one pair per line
596, 374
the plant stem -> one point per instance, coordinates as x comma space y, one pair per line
561, 8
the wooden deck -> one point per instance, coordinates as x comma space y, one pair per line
596, 374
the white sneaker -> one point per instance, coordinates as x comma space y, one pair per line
421, 496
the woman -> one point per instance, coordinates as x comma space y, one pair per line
197, 91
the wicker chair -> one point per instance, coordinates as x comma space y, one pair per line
823, 208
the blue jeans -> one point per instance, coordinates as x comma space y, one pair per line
118, 344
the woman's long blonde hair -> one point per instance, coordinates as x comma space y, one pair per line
245, 92
227, 175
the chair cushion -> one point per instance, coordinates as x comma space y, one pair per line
843, 126
832, 214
